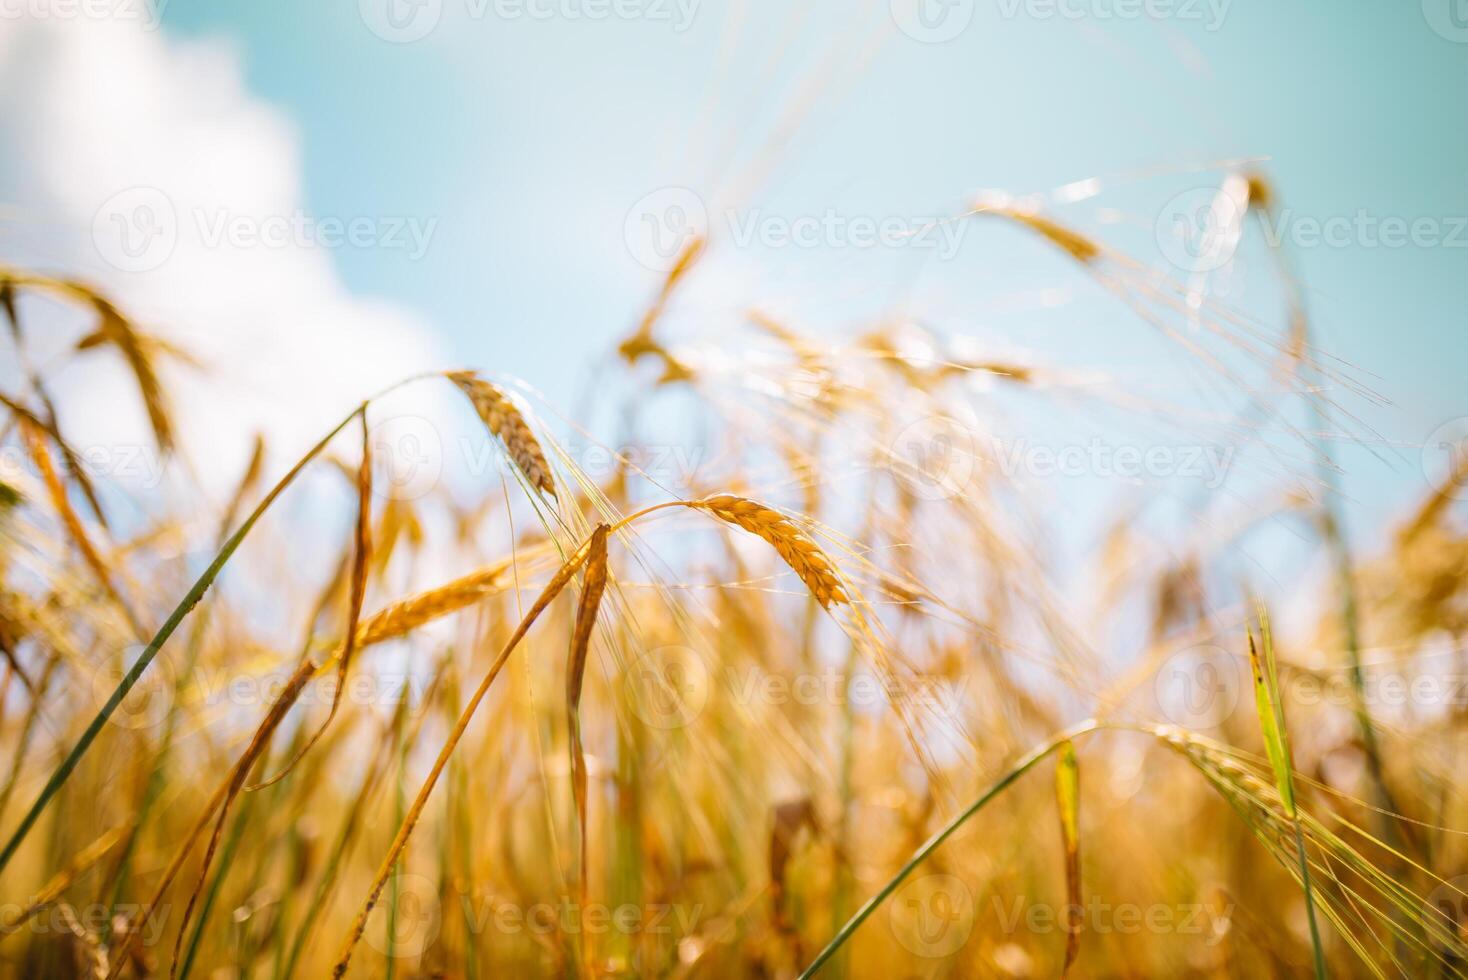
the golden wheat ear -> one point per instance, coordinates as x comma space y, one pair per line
800, 552
506, 422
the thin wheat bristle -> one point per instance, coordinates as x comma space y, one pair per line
803, 555
504, 420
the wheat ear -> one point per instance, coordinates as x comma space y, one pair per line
801, 553
504, 420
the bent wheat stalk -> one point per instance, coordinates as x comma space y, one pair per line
790, 541
591, 593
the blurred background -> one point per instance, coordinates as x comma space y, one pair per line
1186, 276
326, 197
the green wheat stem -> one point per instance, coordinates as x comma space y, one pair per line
1021, 767
185, 606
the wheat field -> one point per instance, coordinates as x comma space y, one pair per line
827, 707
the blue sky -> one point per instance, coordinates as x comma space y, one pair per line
529, 139
526, 140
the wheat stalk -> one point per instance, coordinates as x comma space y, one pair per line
410, 819
504, 420
594, 584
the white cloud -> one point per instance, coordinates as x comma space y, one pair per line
142, 163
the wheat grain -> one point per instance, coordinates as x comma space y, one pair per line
406, 615
803, 555
504, 420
